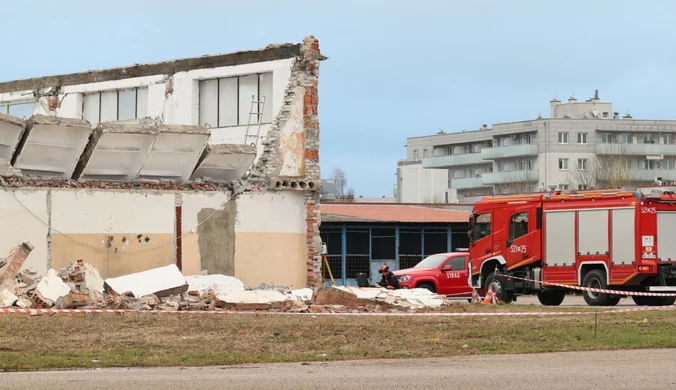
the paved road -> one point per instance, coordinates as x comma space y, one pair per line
573, 370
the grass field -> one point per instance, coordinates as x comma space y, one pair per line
110, 340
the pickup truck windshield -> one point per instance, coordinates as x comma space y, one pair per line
431, 261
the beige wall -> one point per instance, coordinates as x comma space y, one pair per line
122, 231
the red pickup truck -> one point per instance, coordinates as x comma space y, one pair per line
443, 273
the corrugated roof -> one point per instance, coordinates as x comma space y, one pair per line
363, 212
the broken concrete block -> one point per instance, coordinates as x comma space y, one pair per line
24, 303
51, 146
28, 276
7, 170
14, 261
11, 130
224, 162
175, 152
150, 300
220, 284
163, 282
52, 287
330, 295
7, 298
303, 294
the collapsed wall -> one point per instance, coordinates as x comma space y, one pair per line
130, 197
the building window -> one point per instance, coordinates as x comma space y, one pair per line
668, 164
605, 115
668, 139
629, 164
582, 187
582, 138
563, 187
19, 110
563, 164
649, 139
582, 164
627, 138
424, 153
228, 101
111, 106
649, 164
563, 138
415, 155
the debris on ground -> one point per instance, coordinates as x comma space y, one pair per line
80, 286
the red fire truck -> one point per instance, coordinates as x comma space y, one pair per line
618, 240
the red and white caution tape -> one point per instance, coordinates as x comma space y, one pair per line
597, 290
366, 314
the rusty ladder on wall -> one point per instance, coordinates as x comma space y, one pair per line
258, 106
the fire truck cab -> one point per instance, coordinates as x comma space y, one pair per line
607, 239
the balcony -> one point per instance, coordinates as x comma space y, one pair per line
509, 177
466, 183
636, 149
509, 151
651, 174
455, 160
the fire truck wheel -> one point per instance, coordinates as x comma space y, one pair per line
499, 284
667, 301
646, 301
596, 279
551, 298
614, 300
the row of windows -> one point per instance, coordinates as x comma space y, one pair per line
581, 138
583, 164
628, 138
222, 103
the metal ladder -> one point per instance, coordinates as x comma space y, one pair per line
259, 105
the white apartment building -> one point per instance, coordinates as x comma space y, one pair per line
581, 145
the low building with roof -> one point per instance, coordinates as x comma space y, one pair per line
360, 237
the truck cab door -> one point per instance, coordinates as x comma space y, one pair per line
518, 246
453, 278
481, 240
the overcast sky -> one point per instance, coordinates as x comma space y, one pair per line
396, 69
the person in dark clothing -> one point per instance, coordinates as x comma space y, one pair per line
388, 279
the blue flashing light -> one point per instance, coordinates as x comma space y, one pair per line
478, 199
638, 195
462, 249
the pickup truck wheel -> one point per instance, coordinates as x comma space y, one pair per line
428, 286
551, 298
499, 284
596, 279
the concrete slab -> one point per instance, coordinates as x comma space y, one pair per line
115, 152
52, 287
219, 283
51, 146
11, 130
153, 281
175, 152
224, 162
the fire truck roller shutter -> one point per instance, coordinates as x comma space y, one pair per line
666, 236
623, 244
559, 238
593, 232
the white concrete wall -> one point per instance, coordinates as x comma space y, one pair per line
421, 185
17, 224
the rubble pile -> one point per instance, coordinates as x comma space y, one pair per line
80, 286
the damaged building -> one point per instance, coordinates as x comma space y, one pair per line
209, 163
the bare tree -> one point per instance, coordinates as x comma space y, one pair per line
435, 198
608, 169
349, 195
518, 182
339, 178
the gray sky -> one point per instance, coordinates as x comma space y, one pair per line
396, 69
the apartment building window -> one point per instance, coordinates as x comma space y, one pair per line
649, 139
582, 138
111, 106
19, 110
626, 138
563, 187
605, 115
415, 155
563, 164
449, 177
668, 164
629, 165
563, 138
227, 102
424, 153
582, 164
648, 164
668, 139
582, 187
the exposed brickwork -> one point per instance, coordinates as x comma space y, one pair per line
312, 154
116, 185
10, 266
326, 295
